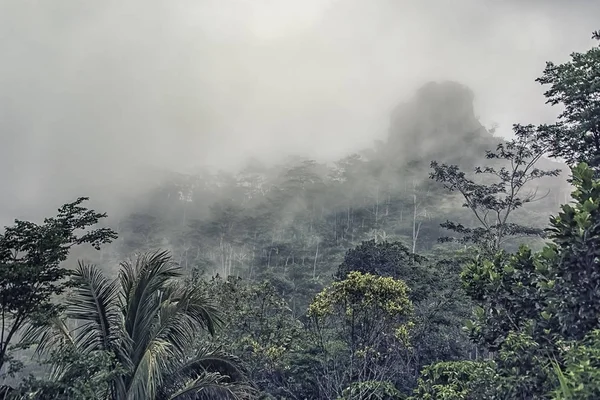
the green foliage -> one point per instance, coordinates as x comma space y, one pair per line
387, 259
506, 291
367, 304
362, 326
148, 321
439, 303
259, 327
372, 390
530, 303
575, 86
90, 375
456, 380
555, 288
572, 259
523, 369
31, 272
520, 371
580, 376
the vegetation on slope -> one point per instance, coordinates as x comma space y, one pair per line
330, 281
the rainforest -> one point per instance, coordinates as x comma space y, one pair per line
441, 261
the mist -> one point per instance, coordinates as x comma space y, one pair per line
97, 94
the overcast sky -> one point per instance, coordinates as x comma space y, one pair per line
91, 90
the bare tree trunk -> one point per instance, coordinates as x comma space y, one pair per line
416, 226
315, 263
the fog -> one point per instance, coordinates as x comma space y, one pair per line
95, 92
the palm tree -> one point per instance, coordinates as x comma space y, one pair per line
149, 323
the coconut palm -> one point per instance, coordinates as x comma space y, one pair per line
149, 323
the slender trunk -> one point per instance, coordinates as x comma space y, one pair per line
315, 263
377, 207
415, 228
6, 341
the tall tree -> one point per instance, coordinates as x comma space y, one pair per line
31, 271
388, 259
360, 323
499, 192
532, 306
575, 85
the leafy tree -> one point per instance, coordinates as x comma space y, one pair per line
556, 287
360, 324
456, 380
440, 305
493, 200
260, 328
520, 371
148, 321
530, 303
581, 373
575, 85
31, 272
367, 305
388, 259
141, 232
572, 260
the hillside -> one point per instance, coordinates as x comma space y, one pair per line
292, 223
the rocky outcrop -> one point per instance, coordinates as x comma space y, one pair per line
438, 123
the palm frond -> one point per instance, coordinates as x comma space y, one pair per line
212, 386
170, 337
183, 313
94, 303
212, 359
143, 286
148, 374
205, 361
51, 335
199, 306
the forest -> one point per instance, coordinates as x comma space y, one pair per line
442, 263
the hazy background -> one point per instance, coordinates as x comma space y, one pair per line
93, 91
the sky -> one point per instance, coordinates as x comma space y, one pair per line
94, 92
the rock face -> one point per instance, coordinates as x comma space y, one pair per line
438, 123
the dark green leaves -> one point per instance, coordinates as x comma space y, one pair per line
31, 273
575, 85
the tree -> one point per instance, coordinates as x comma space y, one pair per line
149, 322
440, 304
141, 232
575, 85
520, 371
455, 380
360, 323
387, 259
580, 376
492, 202
556, 287
31, 272
534, 306
259, 327
572, 259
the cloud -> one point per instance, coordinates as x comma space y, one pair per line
94, 92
